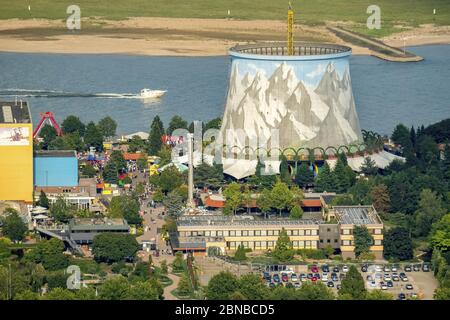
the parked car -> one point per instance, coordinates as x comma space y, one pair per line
314, 269
267, 276
294, 277
276, 278
394, 268
373, 284
408, 268
297, 285
330, 284
390, 284
401, 296
378, 268
414, 295
387, 268
324, 277
325, 268
314, 279
369, 278
425, 268
364, 268
395, 278
271, 284
409, 286
338, 286
303, 277
288, 285
336, 269
334, 277
310, 276
284, 277
387, 277
345, 268
383, 286
416, 267
317, 275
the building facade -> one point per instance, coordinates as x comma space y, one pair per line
55, 168
16, 152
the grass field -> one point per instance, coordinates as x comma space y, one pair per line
405, 12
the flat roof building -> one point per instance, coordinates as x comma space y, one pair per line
55, 168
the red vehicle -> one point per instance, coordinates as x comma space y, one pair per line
284, 277
314, 279
314, 269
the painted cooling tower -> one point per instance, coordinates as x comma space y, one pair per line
307, 96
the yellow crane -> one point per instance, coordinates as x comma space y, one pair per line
290, 25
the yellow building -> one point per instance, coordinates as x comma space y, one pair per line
202, 233
16, 152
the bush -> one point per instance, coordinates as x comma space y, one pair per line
317, 254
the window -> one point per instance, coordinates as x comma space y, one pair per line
314, 232
295, 232
251, 232
264, 232
213, 233
232, 233
321, 240
207, 233
377, 242
257, 232
219, 233
263, 244
335, 240
377, 231
301, 232
225, 233
295, 244
270, 232
301, 244
238, 233
308, 244
258, 244
328, 241
244, 233
276, 232
308, 232
345, 242
328, 230
346, 231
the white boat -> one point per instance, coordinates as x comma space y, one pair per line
148, 93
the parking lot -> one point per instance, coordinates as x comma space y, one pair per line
415, 281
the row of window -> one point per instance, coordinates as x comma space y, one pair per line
262, 245
350, 242
247, 233
371, 231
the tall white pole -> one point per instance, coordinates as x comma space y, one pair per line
190, 138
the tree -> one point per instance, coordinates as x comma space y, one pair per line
118, 160
112, 247
343, 175
304, 176
427, 149
283, 248
136, 144
325, 179
285, 175
440, 236
184, 289
314, 291
401, 136
50, 254
430, 210
252, 287
72, 141
73, 124
144, 290
398, 244
442, 294
156, 133
176, 123
158, 195
60, 210
115, 288
380, 198
48, 134
296, 212
107, 127
43, 200
379, 295
233, 196
369, 167
363, 240
14, 227
208, 176
168, 180
240, 254
353, 285
178, 265
93, 137
125, 207
88, 171
264, 201
110, 173
174, 204
164, 269
281, 196
221, 286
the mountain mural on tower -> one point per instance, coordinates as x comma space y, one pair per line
308, 113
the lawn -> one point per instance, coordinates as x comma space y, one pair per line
406, 12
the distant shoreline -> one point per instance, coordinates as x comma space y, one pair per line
178, 37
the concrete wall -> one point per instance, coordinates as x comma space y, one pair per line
55, 171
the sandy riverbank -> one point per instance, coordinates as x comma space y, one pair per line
174, 37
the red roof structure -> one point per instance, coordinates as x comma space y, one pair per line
132, 156
312, 203
214, 201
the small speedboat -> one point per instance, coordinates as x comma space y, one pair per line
148, 93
